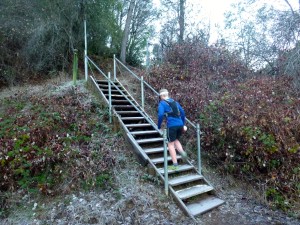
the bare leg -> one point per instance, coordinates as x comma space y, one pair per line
180, 149
178, 145
172, 151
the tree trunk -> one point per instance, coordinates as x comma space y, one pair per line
126, 31
181, 20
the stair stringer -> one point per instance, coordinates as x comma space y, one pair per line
144, 158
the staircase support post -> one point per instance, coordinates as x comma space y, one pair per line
142, 92
85, 53
199, 148
166, 162
115, 68
109, 98
75, 66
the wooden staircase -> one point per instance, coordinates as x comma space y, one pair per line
189, 188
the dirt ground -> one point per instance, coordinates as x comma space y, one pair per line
139, 198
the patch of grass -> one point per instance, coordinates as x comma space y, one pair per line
100, 181
278, 200
151, 178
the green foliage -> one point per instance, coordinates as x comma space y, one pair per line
38, 37
277, 198
211, 116
102, 181
45, 141
151, 178
267, 141
250, 126
103, 29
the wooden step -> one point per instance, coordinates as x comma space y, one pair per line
127, 112
184, 179
132, 118
138, 125
162, 159
117, 96
149, 140
193, 191
143, 132
107, 90
154, 150
204, 205
181, 168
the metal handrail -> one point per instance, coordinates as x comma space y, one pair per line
131, 102
196, 127
148, 118
166, 163
148, 85
146, 115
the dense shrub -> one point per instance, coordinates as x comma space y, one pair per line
53, 144
198, 58
254, 129
251, 124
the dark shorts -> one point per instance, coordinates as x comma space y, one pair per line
174, 133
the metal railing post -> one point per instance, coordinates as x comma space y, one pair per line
85, 53
166, 162
147, 56
115, 68
109, 98
75, 66
142, 92
199, 149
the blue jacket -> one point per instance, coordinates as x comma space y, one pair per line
163, 108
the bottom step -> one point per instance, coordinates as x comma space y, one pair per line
204, 205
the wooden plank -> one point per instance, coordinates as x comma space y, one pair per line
106, 86
154, 150
127, 112
162, 159
193, 191
181, 168
138, 125
107, 90
204, 205
149, 140
118, 96
143, 132
132, 118
185, 179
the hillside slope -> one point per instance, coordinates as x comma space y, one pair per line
126, 194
